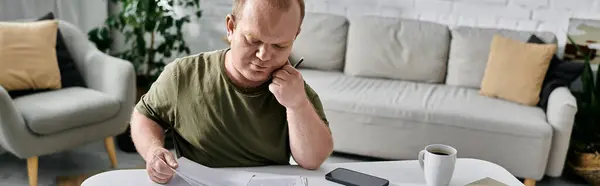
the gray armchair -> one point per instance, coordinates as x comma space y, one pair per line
53, 121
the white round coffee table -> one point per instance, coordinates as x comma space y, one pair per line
397, 172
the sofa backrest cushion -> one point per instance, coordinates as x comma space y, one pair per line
470, 48
322, 42
397, 48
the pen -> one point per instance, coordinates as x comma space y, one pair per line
300, 61
295, 65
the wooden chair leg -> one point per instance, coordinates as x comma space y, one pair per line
32, 170
109, 144
529, 182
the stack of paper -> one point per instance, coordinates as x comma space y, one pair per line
199, 175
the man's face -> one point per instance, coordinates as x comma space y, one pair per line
261, 39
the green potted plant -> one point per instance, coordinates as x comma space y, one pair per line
152, 31
584, 157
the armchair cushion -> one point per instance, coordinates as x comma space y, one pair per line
28, 57
58, 110
69, 73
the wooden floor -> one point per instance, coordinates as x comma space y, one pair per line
72, 180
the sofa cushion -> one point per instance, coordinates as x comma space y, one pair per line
433, 104
469, 51
397, 49
322, 42
27, 55
54, 111
515, 70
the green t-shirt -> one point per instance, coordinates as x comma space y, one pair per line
214, 122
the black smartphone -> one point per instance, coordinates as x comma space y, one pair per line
353, 178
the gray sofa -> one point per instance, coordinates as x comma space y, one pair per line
391, 86
53, 121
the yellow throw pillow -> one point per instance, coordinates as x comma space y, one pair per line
28, 55
515, 70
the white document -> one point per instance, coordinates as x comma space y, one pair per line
199, 175
191, 181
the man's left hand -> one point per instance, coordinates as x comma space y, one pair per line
288, 87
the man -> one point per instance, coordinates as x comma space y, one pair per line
242, 106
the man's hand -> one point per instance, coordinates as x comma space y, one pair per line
288, 87
160, 164
310, 138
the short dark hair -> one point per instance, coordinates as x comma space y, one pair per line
238, 6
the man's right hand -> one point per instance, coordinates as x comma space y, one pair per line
160, 163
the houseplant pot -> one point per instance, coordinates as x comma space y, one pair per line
586, 165
584, 156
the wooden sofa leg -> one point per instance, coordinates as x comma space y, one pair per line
32, 170
529, 182
109, 144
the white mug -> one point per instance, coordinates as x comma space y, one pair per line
437, 162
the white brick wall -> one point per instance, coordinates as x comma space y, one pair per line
551, 15
578, 5
530, 4
439, 6
532, 15
491, 10
394, 3
498, 2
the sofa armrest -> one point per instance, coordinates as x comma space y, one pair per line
12, 124
115, 77
110, 75
562, 107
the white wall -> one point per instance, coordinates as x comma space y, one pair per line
207, 33
533, 15
84, 14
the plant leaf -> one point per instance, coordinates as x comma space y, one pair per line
199, 13
587, 78
197, 2
587, 120
136, 19
597, 90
